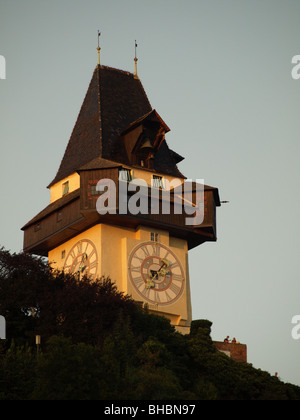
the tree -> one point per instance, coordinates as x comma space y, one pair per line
156, 381
67, 371
34, 299
23, 279
17, 373
117, 362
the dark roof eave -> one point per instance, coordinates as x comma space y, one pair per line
53, 207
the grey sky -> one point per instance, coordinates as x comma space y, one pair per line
219, 74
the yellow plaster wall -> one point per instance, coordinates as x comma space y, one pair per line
56, 191
112, 259
148, 176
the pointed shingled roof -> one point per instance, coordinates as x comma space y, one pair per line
113, 101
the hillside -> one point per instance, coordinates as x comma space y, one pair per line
97, 344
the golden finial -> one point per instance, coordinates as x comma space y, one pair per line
135, 61
98, 48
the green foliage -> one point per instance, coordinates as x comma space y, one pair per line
17, 373
118, 355
67, 371
98, 345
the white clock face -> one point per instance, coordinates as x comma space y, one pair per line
156, 273
82, 259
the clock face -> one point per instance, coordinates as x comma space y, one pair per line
156, 273
82, 260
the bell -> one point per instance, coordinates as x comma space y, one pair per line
147, 144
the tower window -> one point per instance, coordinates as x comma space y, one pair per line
65, 188
93, 190
154, 237
125, 175
158, 182
37, 227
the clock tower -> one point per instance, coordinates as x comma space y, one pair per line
118, 137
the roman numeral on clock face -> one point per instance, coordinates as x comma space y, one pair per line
157, 296
174, 288
92, 253
177, 277
79, 248
136, 269
145, 251
174, 265
139, 282
156, 250
93, 265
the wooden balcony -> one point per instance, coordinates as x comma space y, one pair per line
77, 211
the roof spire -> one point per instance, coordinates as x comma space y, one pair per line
135, 61
98, 48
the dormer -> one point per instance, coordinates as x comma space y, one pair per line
143, 138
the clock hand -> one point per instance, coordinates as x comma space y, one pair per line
164, 271
83, 258
155, 276
82, 268
150, 283
166, 262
